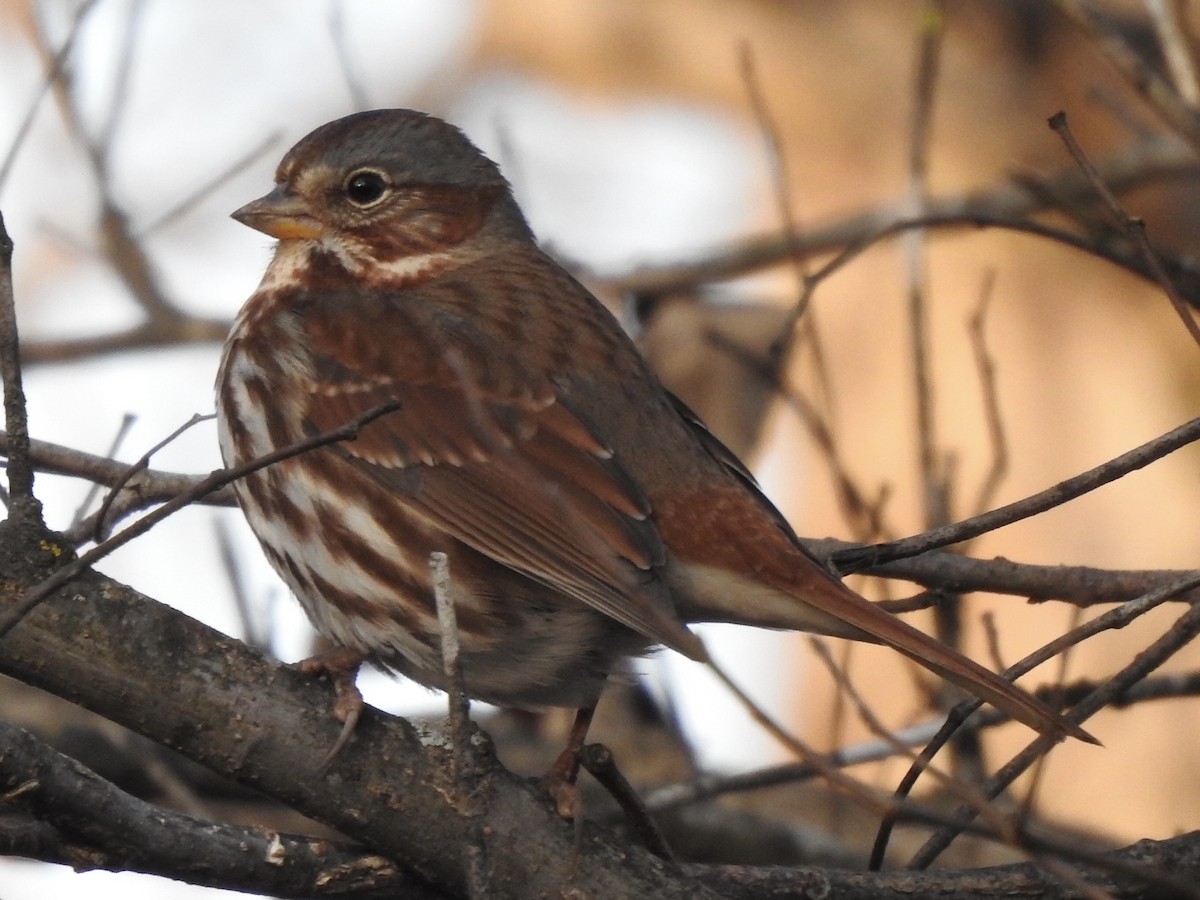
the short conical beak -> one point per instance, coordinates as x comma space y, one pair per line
281, 214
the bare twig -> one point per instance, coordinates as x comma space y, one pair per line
458, 724
1140, 75
22, 503
345, 59
781, 184
1057, 495
252, 632
101, 526
53, 69
986, 367
1180, 634
708, 786
956, 786
599, 762
934, 487
184, 206
1117, 618
1134, 228
114, 446
459, 720
217, 479
1171, 27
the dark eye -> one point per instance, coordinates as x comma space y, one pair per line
365, 187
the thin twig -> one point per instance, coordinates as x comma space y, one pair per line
599, 762
1171, 28
1134, 228
125, 56
1053, 496
781, 184
933, 485
1117, 618
251, 632
217, 479
956, 786
114, 446
986, 367
23, 504
1139, 74
459, 721
707, 786
1180, 634
141, 465
345, 59
53, 70
184, 206
458, 724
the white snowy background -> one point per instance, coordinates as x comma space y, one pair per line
608, 185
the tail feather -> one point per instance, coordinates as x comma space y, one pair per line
833, 598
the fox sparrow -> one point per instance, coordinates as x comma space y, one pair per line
585, 513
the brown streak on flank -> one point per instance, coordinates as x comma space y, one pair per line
284, 562
345, 546
279, 489
261, 396
261, 493
239, 434
365, 610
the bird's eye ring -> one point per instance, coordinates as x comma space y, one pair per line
366, 187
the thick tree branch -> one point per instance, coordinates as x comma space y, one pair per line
1177, 859
110, 649
98, 826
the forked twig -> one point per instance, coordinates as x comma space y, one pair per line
217, 479
1134, 228
1056, 495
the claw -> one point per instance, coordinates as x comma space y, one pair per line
341, 666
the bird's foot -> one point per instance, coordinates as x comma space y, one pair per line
341, 666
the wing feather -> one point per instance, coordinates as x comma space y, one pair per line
513, 473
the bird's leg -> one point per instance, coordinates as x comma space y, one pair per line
341, 665
559, 781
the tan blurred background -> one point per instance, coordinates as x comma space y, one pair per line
1090, 361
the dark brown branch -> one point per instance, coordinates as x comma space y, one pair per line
1177, 860
267, 726
235, 711
1155, 158
98, 826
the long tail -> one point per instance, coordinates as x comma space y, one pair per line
832, 598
